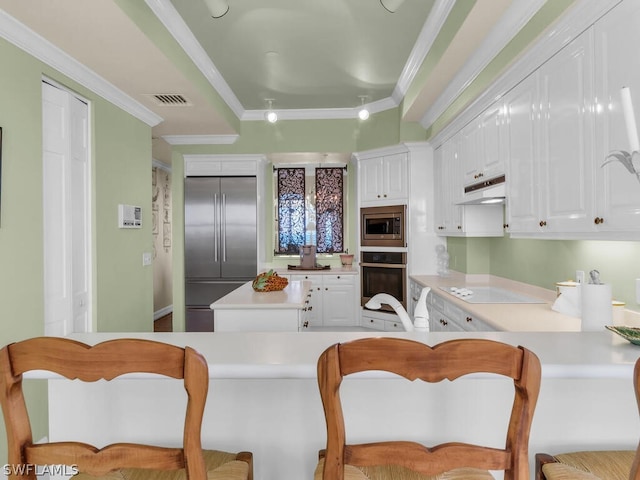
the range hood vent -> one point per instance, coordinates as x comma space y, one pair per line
486, 192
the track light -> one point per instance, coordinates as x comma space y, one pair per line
217, 8
391, 5
271, 116
363, 114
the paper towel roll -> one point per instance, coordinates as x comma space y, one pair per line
596, 307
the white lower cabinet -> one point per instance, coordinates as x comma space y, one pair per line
444, 316
384, 322
333, 300
339, 301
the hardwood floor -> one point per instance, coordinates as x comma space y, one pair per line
164, 324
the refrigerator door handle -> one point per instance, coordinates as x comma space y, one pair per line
215, 227
223, 227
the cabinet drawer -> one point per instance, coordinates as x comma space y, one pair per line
453, 312
474, 324
393, 326
436, 300
338, 279
373, 323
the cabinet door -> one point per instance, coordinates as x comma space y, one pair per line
439, 189
338, 305
339, 300
371, 173
395, 177
469, 153
522, 150
618, 190
492, 142
448, 189
567, 139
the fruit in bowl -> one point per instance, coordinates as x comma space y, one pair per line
269, 282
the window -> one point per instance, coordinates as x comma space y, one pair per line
310, 210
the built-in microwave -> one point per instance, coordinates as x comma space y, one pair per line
383, 226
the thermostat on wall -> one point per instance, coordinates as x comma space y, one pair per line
129, 216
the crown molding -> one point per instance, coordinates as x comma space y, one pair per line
173, 22
35, 45
322, 113
582, 15
513, 20
428, 34
160, 165
201, 139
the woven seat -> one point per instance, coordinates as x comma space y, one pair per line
593, 464
408, 460
603, 465
118, 461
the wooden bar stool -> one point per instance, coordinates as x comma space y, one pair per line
125, 461
593, 464
412, 360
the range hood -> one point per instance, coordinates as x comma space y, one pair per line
486, 192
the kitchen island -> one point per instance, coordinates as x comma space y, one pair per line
245, 310
263, 397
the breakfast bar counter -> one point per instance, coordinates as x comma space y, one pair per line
263, 397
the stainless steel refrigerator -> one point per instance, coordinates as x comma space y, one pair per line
220, 242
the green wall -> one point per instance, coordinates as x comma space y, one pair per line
545, 262
121, 154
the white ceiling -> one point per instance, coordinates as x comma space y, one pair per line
314, 59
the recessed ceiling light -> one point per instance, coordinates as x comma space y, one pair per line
391, 5
217, 8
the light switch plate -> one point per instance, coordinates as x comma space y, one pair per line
146, 259
580, 276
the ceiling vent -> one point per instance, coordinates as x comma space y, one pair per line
170, 99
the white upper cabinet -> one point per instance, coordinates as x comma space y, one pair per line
452, 219
470, 153
550, 145
482, 146
493, 143
448, 190
522, 152
384, 179
616, 65
567, 138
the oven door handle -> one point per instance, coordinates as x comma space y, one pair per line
383, 265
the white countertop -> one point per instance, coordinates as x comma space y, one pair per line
292, 297
520, 317
334, 270
277, 355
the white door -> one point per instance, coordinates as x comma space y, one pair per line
66, 210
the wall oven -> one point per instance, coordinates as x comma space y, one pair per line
384, 272
383, 226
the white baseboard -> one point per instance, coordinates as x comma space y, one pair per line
162, 312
